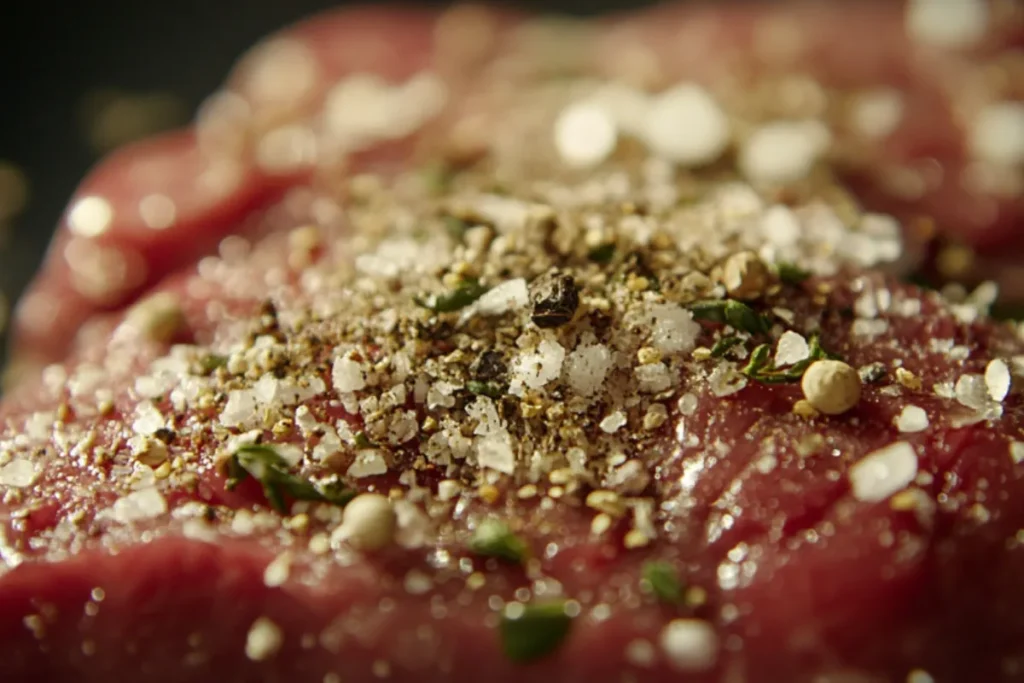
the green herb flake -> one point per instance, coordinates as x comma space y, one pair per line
531, 632
494, 538
265, 465
602, 254
724, 345
209, 363
791, 274
437, 177
761, 369
362, 440
730, 312
455, 227
466, 293
662, 580
489, 389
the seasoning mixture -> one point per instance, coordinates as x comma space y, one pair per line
625, 388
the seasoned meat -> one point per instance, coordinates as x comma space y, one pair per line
345, 447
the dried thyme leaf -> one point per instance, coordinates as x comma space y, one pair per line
791, 274
489, 389
455, 227
437, 177
723, 345
662, 580
362, 440
531, 632
209, 363
266, 465
730, 312
761, 370
466, 293
494, 538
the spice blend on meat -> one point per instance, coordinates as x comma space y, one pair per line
582, 370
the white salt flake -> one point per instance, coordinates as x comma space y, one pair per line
538, 368
239, 409
348, 375
264, 640
587, 367
997, 379
780, 226
368, 463
1017, 452
148, 419
792, 348
971, 390
277, 571
653, 378
783, 151
876, 114
686, 125
997, 134
726, 380
611, 423
494, 451
507, 296
881, 473
911, 419
674, 329
946, 23
585, 135
690, 644
18, 473
139, 505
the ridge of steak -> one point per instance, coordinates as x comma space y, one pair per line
487, 380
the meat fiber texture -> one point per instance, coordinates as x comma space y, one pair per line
873, 546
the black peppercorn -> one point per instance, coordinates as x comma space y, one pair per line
555, 299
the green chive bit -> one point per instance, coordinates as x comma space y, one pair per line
265, 465
489, 389
532, 632
460, 297
662, 580
791, 274
494, 538
723, 345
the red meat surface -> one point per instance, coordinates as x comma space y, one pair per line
800, 577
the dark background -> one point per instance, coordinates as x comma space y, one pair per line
58, 58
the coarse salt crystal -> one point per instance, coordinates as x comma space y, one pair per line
277, 571
689, 644
792, 348
611, 423
971, 391
263, 640
348, 375
507, 296
538, 368
1017, 452
783, 151
653, 378
18, 473
997, 134
587, 367
147, 419
946, 23
997, 379
674, 329
494, 451
684, 124
780, 226
239, 409
726, 380
912, 419
877, 113
585, 135
883, 472
368, 463
139, 505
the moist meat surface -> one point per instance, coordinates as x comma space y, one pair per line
569, 354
